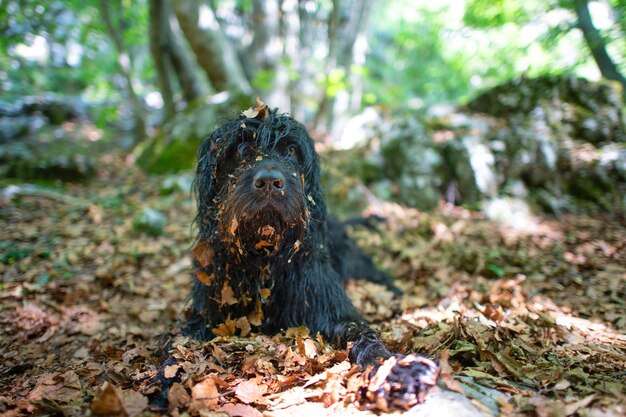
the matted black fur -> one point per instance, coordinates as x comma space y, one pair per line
264, 245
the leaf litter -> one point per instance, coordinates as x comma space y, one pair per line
522, 323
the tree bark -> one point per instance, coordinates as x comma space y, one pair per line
159, 47
342, 46
186, 70
214, 53
596, 44
264, 47
305, 40
125, 64
331, 61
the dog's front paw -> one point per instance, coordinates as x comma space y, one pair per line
399, 383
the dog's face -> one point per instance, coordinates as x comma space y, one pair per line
258, 184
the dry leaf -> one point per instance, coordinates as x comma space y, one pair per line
134, 402
240, 410
228, 295
203, 253
171, 370
205, 278
107, 402
204, 395
177, 397
251, 392
260, 111
225, 329
234, 224
263, 244
243, 325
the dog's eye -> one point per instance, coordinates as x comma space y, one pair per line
292, 151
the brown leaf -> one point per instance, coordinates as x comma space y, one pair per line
251, 392
240, 410
256, 318
177, 397
310, 349
225, 329
301, 331
243, 325
134, 402
204, 395
228, 295
257, 112
205, 278
265, 293
107, 402
263, 244
63, 388
234, 224
203, 253
446, 373
170, 371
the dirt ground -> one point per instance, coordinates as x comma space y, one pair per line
528, 322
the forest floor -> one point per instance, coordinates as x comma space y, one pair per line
524, 322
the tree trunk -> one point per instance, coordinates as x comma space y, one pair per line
352, 50
186, 69
159, 25
265, 48
342, 46
298, 88
125, 64
215, 55
331, 62
596, 44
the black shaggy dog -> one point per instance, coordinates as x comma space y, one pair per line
265, 253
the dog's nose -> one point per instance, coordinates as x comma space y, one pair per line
269, 179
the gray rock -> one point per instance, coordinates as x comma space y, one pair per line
150, 221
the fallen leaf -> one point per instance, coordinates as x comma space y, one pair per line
243, 325
134, 402
171, 370
251, 392
203, 253
107, 402
204, 395
205, 278
228, 295
177, 397
225, 329
263, 244
259, 111
240, 410
233, 226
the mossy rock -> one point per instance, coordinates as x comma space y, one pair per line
174, 146
31, 159
591, 111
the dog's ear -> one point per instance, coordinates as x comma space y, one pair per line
204, 184
312, 178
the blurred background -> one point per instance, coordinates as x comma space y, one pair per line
505, 105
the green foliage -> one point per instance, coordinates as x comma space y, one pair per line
494, 13
425, 53
11, 252
63, 46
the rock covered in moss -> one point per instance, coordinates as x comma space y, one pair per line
557, 142
174, 146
